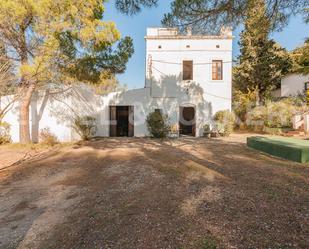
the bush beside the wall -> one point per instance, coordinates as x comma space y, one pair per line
47, 137
5, 136
274, 114
158, 124
225, 122
85, 127
242, 103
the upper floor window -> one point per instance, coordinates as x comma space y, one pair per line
217, 70
187, 70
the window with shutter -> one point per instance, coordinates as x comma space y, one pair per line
187, 70
217, 70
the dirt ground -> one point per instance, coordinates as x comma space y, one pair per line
145, 193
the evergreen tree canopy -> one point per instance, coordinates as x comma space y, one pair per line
262, 62
204, 16
131, 7
300, 58
306, 15
210, 15
61, 41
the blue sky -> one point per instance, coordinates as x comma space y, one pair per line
292, 36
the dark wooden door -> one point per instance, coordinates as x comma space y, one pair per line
194, 129
122, 116
187, 124
113, 121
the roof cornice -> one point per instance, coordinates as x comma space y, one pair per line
184, 37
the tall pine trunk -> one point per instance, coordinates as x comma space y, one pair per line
36, 114
24, 124
28, 87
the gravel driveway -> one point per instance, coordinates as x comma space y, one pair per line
145, 193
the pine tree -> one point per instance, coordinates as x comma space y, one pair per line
304, 59
206, 16
300, 57
262, 62
64, 42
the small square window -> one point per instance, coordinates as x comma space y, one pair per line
188, 46
159, 47
217, 46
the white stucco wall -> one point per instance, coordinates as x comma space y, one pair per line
52, 118
11, 117
293, 84
165, 55
166, 68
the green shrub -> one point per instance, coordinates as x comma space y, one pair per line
206, 128
275, 114
243, 102
85, 127
158, 124
298, 100
48, 138
5, 136
225, 122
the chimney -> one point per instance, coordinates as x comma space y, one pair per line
189, 31
226, 31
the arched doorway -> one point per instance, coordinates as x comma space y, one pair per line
187, 124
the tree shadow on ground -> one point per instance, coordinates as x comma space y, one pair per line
146, 193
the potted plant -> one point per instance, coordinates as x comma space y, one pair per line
207, 131
221, 129
215, 131
174, 131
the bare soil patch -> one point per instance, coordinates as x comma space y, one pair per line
145, 193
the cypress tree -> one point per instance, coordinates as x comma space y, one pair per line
262, 62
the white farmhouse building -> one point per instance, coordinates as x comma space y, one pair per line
188, 78
293, 84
